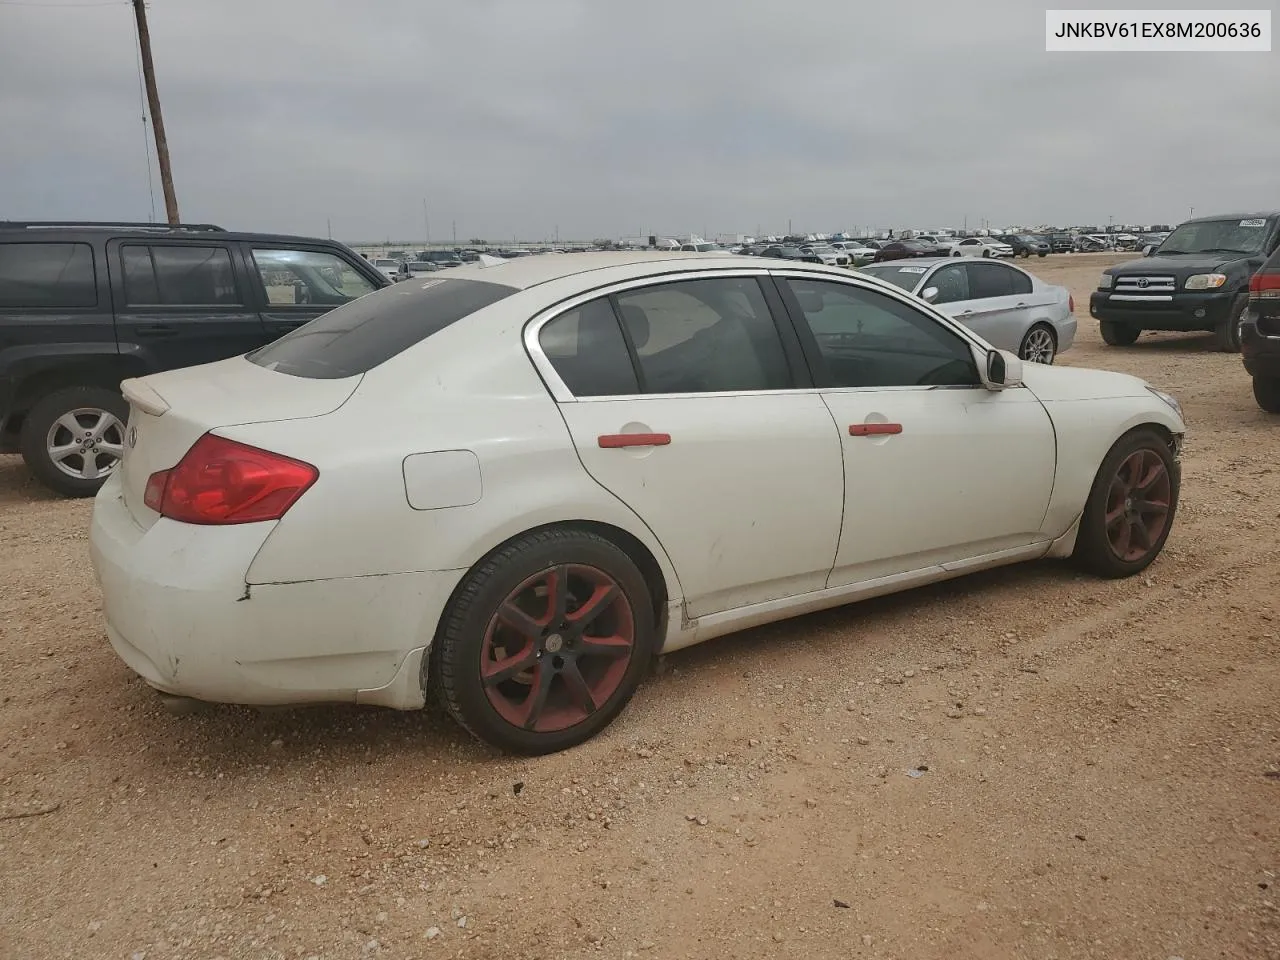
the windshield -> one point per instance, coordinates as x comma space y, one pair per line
1217, 236
704, 247
904, 277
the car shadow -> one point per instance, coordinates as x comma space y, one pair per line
17, 485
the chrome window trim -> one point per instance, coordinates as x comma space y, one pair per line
562, 394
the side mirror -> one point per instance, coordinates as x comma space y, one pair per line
1149, 249
1003, 370
929, 294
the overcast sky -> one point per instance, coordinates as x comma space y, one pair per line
609, 118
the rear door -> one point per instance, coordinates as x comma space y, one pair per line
994, 311
181, 303
297, 283
688, 402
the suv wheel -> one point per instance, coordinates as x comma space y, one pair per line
1226, 335
1117, 334
73, 439
1266, 390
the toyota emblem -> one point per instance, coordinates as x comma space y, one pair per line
1143, 282
133, 437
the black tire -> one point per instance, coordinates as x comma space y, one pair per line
1026, 253
1094, 550
1118, 334
40, 421
460, 644
1266, 390
986, 253
1052, 346
1042, 254
1226, 335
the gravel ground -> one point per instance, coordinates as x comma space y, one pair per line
1097, 772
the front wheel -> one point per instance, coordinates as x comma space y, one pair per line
73, 439
1226, 335
1266, 390
1131, 506
1118, 334
1038, 344
545, 641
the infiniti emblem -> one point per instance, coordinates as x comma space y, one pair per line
133, 437
1144, 282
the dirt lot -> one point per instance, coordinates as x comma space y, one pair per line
1102, 779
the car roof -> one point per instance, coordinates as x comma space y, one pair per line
1256, 215
37, 231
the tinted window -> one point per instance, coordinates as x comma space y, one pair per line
371, 330
308, 277
988, 280
904, 277
952, 282
703, 336
178, 276
586, 348
47, 275
868, 339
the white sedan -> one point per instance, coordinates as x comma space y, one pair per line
1010, 308
517, 482
981, 247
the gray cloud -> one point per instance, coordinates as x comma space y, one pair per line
605, 118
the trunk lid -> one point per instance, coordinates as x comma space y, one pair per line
169, 411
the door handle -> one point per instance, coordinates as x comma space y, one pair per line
964, 313
874, 429
613, 441
1019, 304
157, 330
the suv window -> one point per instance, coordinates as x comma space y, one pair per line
988, 280
363, 333
868, 339
308, 277
47, 275
704, 336
178, 275
586, 347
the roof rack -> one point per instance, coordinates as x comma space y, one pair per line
57, 224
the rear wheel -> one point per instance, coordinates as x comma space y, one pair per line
1131, 506
1039, 345
73, 439
1266, 390
1118, 334
545, 641
1226, 335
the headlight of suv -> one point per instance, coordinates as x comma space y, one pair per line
1205, 281
1105, 281
1170, 400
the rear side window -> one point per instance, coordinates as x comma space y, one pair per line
987, 280
193, 276
363, 333
586, 348
47, 275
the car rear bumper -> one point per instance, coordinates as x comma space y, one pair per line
7, 391
1260, 350
1186, 311
180, 615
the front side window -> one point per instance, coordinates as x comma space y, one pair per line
308, 277
586, 347
867, 339
952, 282
704, 336
172, 275
57, 275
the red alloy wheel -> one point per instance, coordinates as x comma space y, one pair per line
557, 648
1138, 504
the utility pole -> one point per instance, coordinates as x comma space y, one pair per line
153, 107
426, 221
329, 223
455, 232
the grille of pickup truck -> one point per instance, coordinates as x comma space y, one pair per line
1142, 287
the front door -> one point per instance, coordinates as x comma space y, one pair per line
684, 407
179, 304
298, 284
938, 469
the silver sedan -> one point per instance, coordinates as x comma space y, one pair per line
1007, 306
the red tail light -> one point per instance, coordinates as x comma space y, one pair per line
1265, 285
1071, 304
220, 481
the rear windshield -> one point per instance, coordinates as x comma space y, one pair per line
905, 277
372, 329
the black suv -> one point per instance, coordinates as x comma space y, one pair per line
86, 305
1197, 279
1260, 335
1061, 242
1024, 244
